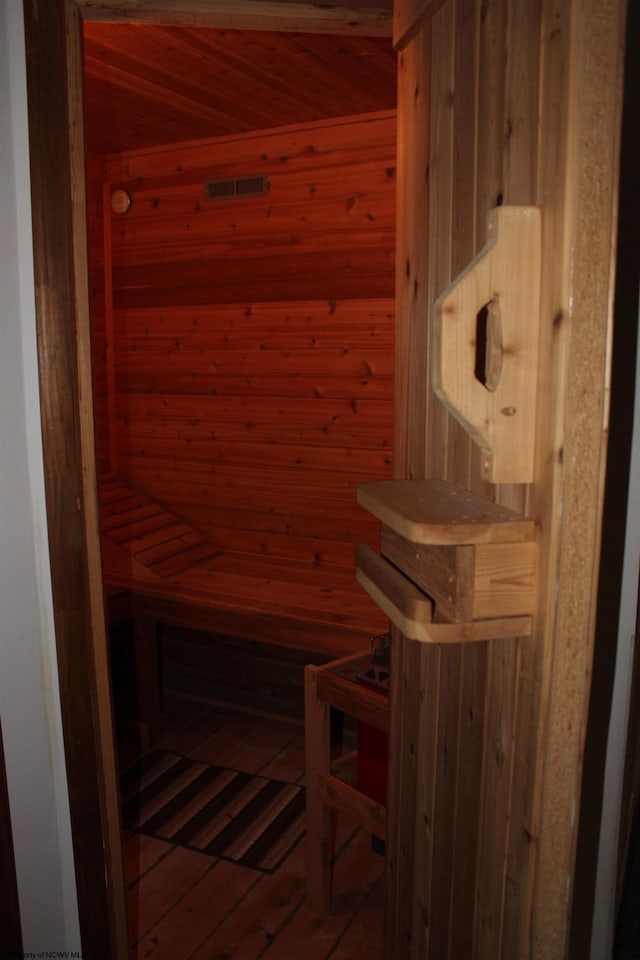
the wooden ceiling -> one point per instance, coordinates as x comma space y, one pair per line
147, 85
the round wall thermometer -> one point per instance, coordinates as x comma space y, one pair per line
120, 201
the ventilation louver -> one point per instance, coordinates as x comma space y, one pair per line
255, 185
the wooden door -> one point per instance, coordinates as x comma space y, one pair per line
503, 101
506, 102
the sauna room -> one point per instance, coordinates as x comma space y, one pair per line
249, 438
241, 214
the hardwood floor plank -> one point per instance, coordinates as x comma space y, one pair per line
162, 888
185, 905
141, 854
289, 764
224, 744
364, 937
188, 726
357, 870
268, 741
205, 906
249, 930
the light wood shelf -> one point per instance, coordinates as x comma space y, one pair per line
455, 567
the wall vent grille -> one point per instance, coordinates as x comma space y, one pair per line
255, 185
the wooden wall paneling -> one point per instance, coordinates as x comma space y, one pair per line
513, 913
498, 181
307, 144
463, 211
355, 17
446, 727
338, 180
520, 137
465, 80
350, 274
492, 55
255, 420
172, 109
319, 420
297, 448
519, 867
374, 388
546, 495
500, 710
96, 175
464, 161
237, 80
444, 666
489, 149
412, 354
373, 62
409, 839
413, 756
333, 233
464, 702
523, 85
421, 734
445, 782
280, 75
472, 735
410, 743
109, 327
522, 94
440, 209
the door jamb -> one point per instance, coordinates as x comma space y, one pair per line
53, 33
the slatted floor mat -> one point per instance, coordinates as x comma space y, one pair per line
152, 535
250, 820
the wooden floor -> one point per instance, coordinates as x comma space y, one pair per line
183, 904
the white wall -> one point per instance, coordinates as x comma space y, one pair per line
604, 918
29, 699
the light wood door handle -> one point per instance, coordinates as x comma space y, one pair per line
485, 344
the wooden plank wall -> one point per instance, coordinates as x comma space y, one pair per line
486, 748
470, 856
96, 176
254, 338
446, 736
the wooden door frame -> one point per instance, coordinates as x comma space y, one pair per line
53, 38
53, 32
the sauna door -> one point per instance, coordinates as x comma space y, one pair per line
502, 104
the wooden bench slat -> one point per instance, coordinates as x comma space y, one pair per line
186, 560
174, 572
141, 512
170, 547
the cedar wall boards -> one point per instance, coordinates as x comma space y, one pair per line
521, 102
96, 178
244, 353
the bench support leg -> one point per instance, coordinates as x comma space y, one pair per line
318, 760
145, 638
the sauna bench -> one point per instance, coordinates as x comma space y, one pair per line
186, 581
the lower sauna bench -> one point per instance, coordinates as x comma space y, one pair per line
159, 570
